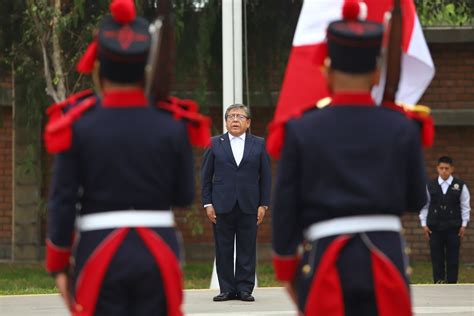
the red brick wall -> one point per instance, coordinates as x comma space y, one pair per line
452, 88
5, 182
453, 84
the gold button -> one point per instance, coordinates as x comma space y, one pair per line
409, 271
323, 102
306, 269
407, 251
79, 308
308, 247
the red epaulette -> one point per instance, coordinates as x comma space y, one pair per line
198, 125
58, 130
420, 114
55, 110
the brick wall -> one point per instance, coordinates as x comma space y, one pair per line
5, 182
453, 85
452, 88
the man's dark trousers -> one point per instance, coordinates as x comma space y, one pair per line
244, 227
444, 248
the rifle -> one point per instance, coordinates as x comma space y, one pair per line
394, 54
161, 58
159, 70
418, 113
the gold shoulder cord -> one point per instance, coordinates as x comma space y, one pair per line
416, 108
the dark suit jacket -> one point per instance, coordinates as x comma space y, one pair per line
224, 183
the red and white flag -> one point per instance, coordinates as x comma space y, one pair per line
304, 83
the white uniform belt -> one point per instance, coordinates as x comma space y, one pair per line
352, 225
116, 219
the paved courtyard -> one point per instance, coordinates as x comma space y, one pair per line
440, 300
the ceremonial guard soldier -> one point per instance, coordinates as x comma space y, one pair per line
121, 163
347, 172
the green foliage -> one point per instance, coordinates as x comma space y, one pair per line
445, 12
193, 220
20, 47
270, 29
28, 165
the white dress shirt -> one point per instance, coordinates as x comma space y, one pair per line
237, 143
464, 200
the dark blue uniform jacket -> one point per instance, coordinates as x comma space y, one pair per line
124, 155
345, 160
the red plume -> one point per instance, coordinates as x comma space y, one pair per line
123, 11
86, 63
350, 10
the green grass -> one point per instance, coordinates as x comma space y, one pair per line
422, 273
25, 279
20, 278
197, 275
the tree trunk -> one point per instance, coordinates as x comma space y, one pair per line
57, 58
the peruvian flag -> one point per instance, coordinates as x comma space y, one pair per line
304, 83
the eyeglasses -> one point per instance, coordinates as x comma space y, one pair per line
239, 117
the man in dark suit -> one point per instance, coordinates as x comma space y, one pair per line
236, 185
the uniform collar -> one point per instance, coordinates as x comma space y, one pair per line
353, 98
242, 137
448, 181
124, 98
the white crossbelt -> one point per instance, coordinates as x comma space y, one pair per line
126, 218
352, 225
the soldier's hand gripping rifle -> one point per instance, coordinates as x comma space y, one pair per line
159, 72
419, 113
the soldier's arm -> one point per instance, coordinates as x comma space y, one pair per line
184, 190
416, 186
285, 210
265, 177
64, 196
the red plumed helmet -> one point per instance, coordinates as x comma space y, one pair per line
123, 11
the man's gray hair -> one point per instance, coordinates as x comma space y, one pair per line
238, 106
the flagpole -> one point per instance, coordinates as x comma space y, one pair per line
231, 54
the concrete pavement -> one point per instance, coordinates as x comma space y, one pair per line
439, 300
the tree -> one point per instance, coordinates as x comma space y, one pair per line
445, 12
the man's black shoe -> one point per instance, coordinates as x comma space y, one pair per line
246, 296
224, 296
